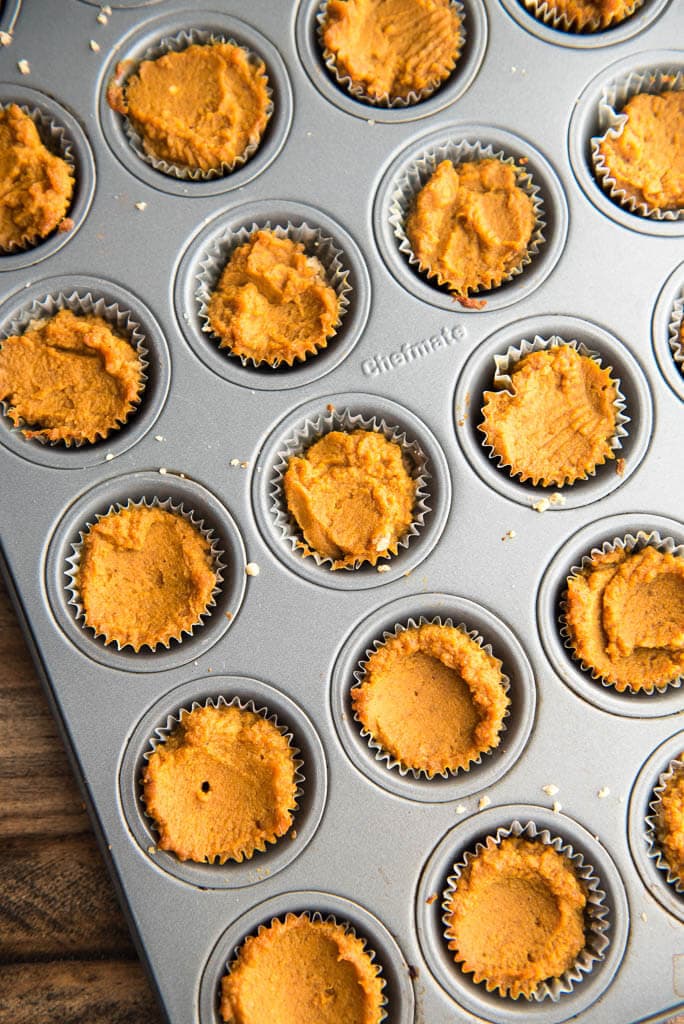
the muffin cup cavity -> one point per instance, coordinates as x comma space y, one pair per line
629, 543
63, 135
176, 44
358, 92
316, 244
311, 430
611, 122
595, 912
398, 999
410, 171
652, 833
494, 636
506, 363
348, 411
420, 170
546, 12
162, 732
166, 505
121, 320
378, 751
606, 914
310, 778
55, 138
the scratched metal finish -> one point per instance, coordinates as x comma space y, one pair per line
371, 850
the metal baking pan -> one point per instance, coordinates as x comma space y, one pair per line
372, 846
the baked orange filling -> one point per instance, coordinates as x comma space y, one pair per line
300, 971
646, 160
145, 577
625, 617
516, 917
351, 496
69, 378
471, 224
35, 184
432, 698
593, 15
392, 48
201, 107
221, 786
555, 424
671, 822
272, 303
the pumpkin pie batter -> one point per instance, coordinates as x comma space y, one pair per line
352, 497
592, 15
516, 916
272, 303
200, 107
625, 617
392, 48
221, 786
35, 184
646, 160
471, 224
671, 822
555, 424
69, 378
432, 698
146, 576
300, 971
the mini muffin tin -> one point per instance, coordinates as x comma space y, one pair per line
370, 847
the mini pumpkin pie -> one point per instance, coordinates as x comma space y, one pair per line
625, 617
432, 698
351, 496
515, 916
302, 971
392, 49
272, 303
145, 577
646, 159
69, 378
203, 107
36, 185
555, 423
471, 225
221, 786
670, 822
587, 15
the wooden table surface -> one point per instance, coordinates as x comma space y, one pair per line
66, 956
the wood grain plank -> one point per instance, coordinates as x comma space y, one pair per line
76, 992
38, 793
57, 900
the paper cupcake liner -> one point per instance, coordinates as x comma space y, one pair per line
120, 320
312, 430
379, 751
181, 41
675, 327
629, 543
546, 11
162, 733
420, 170
359, 93
55, 138
316, 244
317, 918
506, 363
167, 505
652, 835
611, 122
596, 917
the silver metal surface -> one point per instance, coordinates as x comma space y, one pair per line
483, 554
